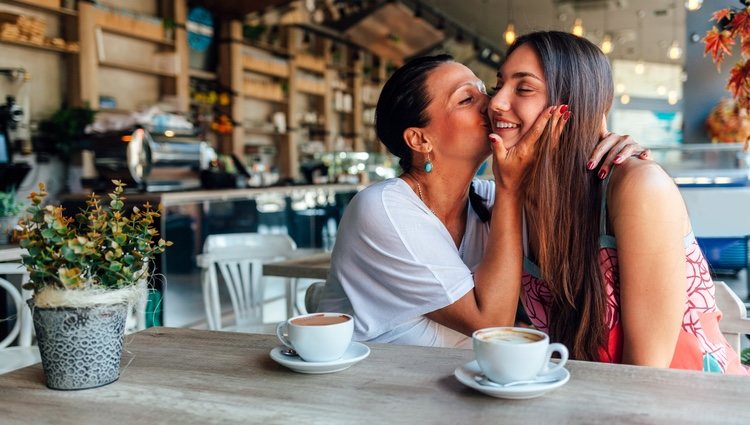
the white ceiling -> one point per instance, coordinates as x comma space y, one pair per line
489, 18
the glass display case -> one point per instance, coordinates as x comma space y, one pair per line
350, 167
700, 165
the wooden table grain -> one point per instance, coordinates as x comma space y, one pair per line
313, 266
184, 376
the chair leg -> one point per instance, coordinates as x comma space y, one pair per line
290, 297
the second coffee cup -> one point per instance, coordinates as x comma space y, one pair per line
507, 354
317, 337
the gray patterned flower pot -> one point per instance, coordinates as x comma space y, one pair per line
80, 347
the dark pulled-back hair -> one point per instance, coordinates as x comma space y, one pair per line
403, 103
566, 199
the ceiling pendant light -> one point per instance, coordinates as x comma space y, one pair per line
607, 44
674, 52
640, 67
577, 27
510, 30
693, 5
510, 34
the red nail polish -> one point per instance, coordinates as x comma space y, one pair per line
566, 115
602, 174
563, 109
618, 159
590, 165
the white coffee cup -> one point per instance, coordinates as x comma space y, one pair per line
507, 354
317, 337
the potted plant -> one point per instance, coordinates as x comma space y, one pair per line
9, 209
84, 273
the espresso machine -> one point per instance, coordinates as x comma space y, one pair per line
11, 174
150, 161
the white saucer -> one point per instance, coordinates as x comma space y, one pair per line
466, 374
354, 354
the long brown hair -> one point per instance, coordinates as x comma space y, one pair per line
564, 198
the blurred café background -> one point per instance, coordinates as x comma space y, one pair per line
258, 116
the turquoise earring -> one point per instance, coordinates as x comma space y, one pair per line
428, 164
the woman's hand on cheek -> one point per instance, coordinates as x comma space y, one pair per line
613, 149
509, 165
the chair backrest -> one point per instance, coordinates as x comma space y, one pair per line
734, 322
22, 327
255, 245
239, 257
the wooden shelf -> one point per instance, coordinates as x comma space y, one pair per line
201, 74
310, 63
139, 36
131, 27
41, 7
45, 47
137, 68
267, 47
265, 67
311, 87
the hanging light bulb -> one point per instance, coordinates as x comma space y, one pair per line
607, 46
577, 27
620, 88
640, 67
510, 30
672, 97
624, 99
661, 90
693, 5
675, 51
510, 34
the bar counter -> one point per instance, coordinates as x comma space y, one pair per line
306, 213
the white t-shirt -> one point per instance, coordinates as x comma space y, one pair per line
395, 261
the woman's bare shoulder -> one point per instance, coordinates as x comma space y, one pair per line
643, 187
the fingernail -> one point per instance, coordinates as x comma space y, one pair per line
566, 115
590, 165
618, 159
563, 109
602, 174
552, 110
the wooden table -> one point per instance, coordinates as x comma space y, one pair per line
309, 266
303, 264
185, 376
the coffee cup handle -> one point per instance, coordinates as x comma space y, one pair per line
281, 330
555, 347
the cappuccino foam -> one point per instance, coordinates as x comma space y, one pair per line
510, 336
319, 320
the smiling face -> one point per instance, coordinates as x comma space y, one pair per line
458, 126
521, 95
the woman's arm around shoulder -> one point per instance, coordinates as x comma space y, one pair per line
649, 221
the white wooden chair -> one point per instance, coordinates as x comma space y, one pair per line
23, 353
239, 257
734, 321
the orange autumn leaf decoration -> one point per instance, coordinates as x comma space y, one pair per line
720, 40
718, 44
